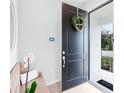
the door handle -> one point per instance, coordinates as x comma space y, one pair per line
63, 58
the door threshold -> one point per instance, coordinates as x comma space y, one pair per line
100, 87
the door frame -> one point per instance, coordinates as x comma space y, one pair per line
93, 10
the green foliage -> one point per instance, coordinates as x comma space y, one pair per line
105, 60
27, 90
106, 41
107, 63
32, 88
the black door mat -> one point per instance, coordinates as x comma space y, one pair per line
106, 84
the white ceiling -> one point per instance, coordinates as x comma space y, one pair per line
104, 11
104, 14
85, 4
77, 1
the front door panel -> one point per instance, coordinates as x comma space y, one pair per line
74, 49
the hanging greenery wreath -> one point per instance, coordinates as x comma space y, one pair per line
77, 23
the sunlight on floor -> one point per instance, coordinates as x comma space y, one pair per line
84, 88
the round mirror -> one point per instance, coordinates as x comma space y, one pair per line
12, 26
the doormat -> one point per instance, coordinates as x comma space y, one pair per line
106, 84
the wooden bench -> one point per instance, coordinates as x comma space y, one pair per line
15, 86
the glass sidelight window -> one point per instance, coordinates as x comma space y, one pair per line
107, 41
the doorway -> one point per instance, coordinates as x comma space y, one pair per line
101, 47
74, 48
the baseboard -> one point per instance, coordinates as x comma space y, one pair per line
53, 82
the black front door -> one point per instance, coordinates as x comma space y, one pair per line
74, 49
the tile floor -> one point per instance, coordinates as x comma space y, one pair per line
55, 88
83, 88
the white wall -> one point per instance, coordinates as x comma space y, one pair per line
87, 5
38, 20
96, 73
13, 52
95, 50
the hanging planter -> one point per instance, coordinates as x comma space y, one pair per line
77, 23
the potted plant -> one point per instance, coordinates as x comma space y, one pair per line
27, 61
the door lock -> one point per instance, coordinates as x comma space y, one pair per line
63, 52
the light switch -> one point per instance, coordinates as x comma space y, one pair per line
51, 39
